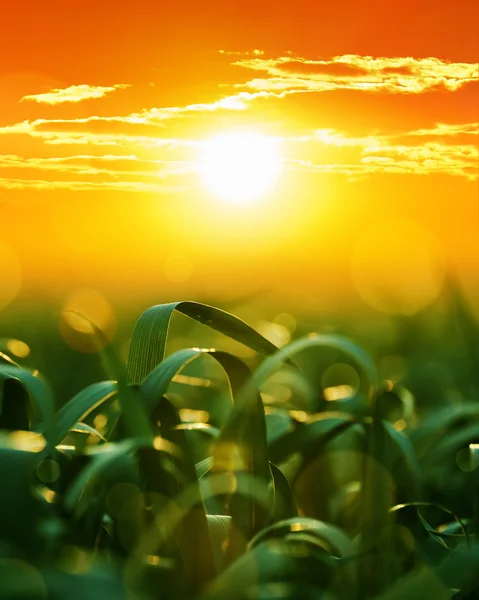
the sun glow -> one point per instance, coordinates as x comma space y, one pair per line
240, 167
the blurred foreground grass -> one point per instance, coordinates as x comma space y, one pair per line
285, 464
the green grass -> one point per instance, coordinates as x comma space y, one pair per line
199, 474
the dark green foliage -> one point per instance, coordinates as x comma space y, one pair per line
188, 476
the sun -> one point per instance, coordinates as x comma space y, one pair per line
240, 167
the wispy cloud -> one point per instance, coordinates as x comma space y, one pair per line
255, 52
338, 138
443, 148
121, 186
74, 93
391, 154
109, 165
399, 75
235, 102
140, 127
447, 129
98, 131
431, 158
286, 75
432, 151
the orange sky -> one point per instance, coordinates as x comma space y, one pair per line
104, 109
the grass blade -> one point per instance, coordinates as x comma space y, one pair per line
39, 393
148, 343
80, 406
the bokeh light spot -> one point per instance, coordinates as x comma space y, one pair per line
340, 381
396, 267
467, 459
277, 334
286, 320
100, 421
84, 310
18, 348
28, 441
48, 470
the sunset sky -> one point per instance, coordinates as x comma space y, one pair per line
106, 109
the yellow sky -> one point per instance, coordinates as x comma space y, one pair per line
104, 121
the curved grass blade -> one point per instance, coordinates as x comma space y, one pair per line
241, 449
367, 370
84, 428
434, 428
428, 548
218, 526
5, 359
134, 418
453, 442
80, 406
194, 537
246, 419
212, 484
459, 523
172, 517
200, 438
368, 386
337, 541
281, 568
104, 459
249, 394
76, 497
396, 453
156, 384
278, 423
203, 467
148, 343
243, 434
38, 391
309, 438
311, 469
284, 505
135, 421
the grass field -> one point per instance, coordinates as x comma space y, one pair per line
336, 465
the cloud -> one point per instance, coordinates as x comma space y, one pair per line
109, 166
431, 158
235, 102
445, 129
433, 151
389, 154
255, 52
140, 127
74, 93
121, 186
89, 172
286, 75
398, 75
338, 138
443, 148
98, 131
